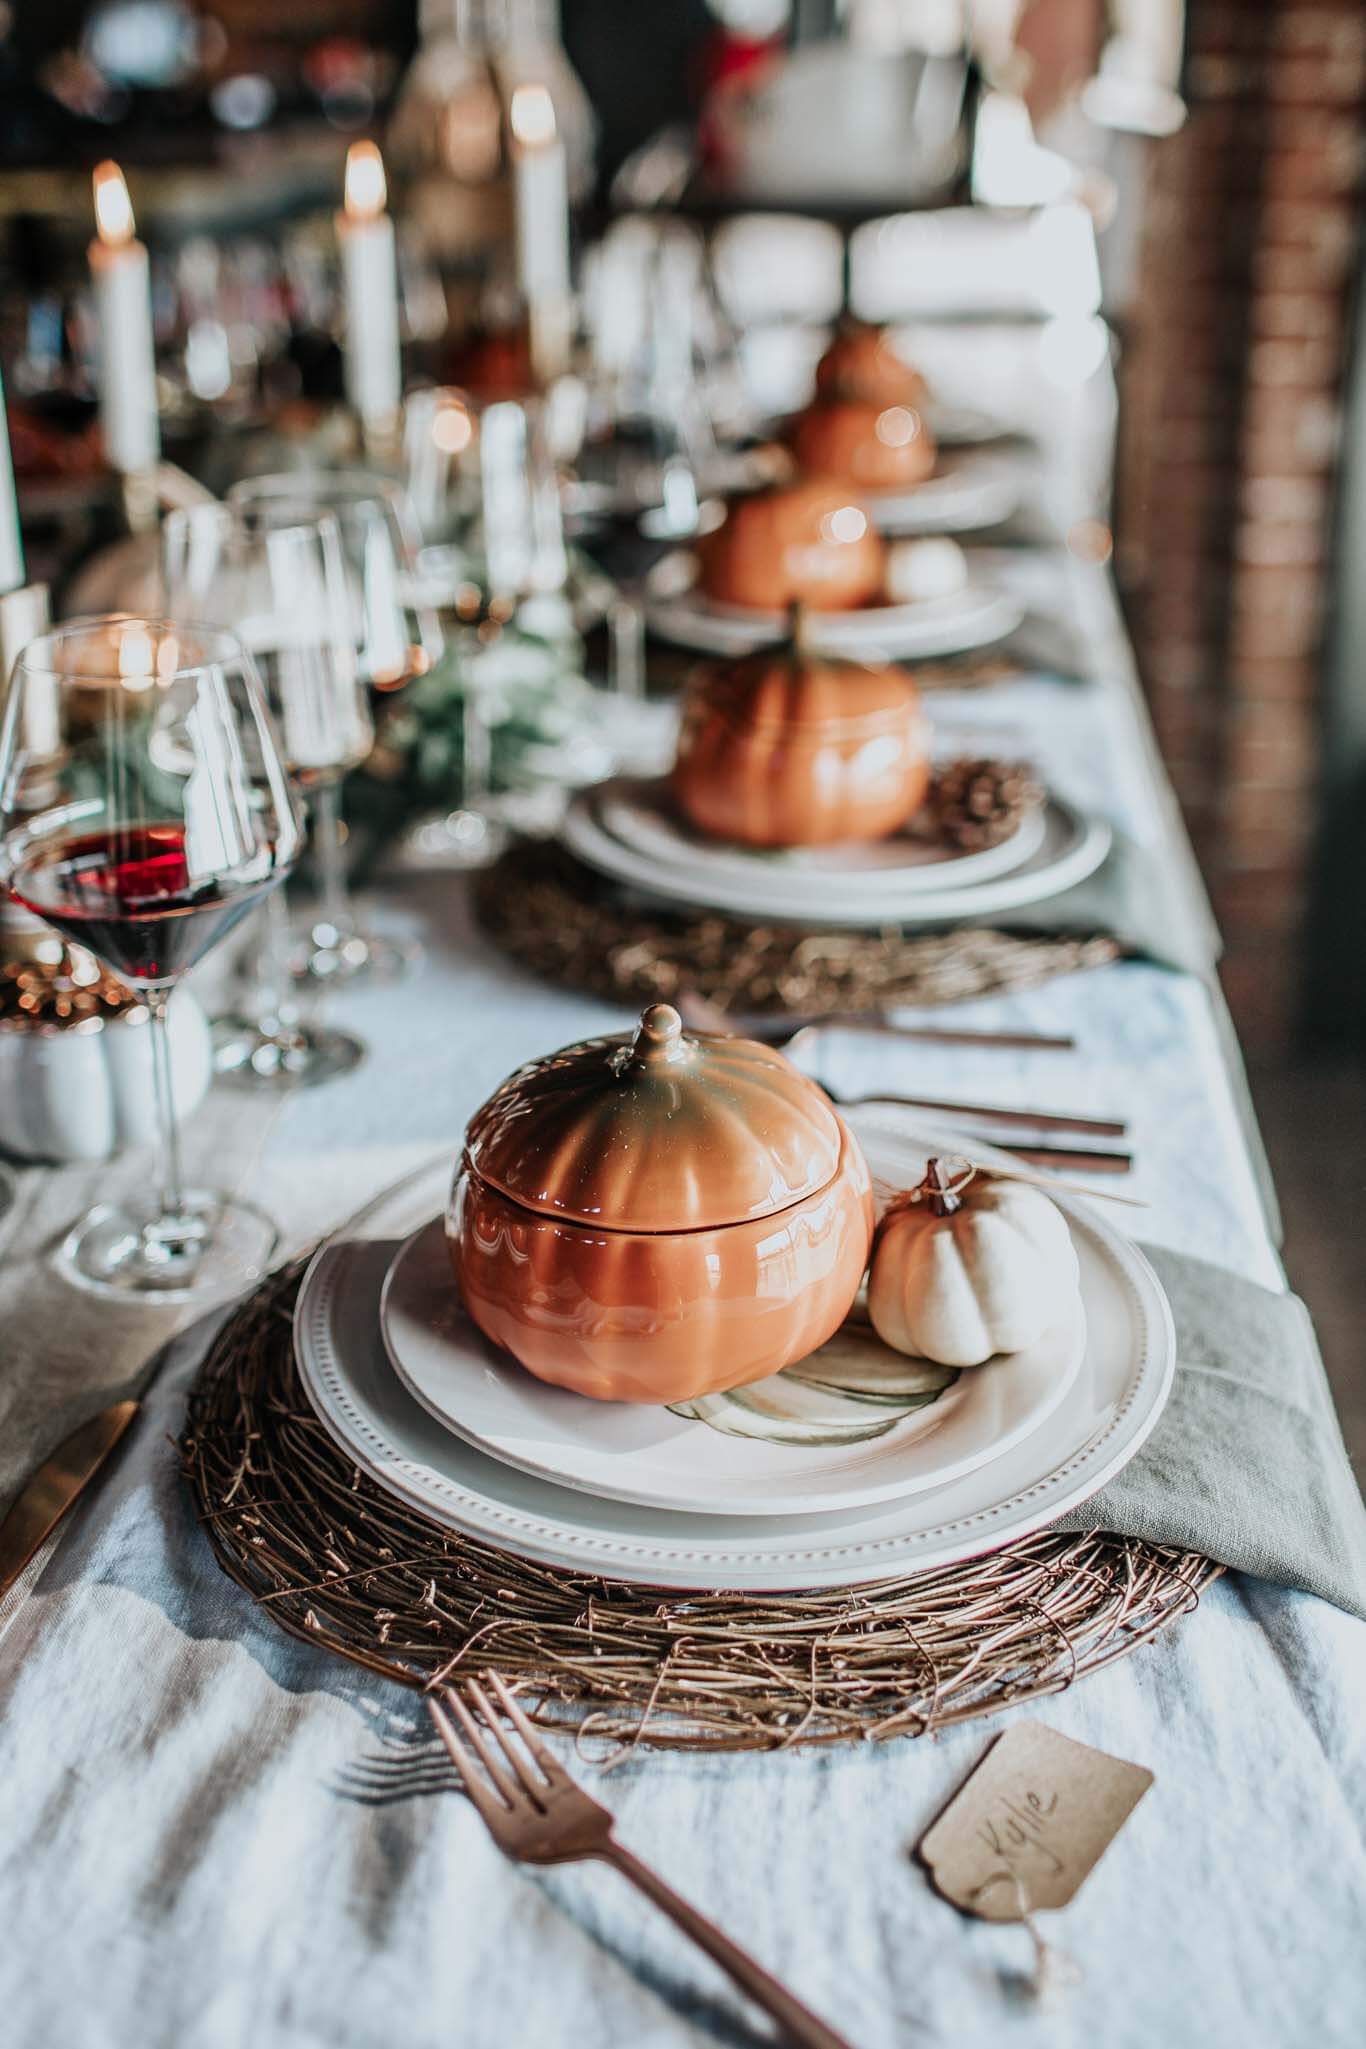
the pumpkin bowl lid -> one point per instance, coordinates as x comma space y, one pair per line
803, 509
660, 1130
804, 695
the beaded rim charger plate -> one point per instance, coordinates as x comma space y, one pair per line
854, 1422
346, 1372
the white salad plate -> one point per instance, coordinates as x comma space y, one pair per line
1070, 847
855, 1422
964, 426
1101, 1420
971, 488
974, 617
642, 816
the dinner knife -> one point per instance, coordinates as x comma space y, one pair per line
56, 1486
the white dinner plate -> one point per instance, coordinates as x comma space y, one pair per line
975, 616
641, 815
1096, 1428
1072, 846
964, 426
971, 488
855, 1422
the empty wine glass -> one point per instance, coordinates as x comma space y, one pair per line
286, 590
144, 810
396, 636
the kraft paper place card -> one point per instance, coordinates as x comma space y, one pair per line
1030, 1823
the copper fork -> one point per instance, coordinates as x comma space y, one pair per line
537, 1814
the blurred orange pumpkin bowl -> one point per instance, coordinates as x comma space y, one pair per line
874, 447
861, 362
809, 542
790, 748
655, 1217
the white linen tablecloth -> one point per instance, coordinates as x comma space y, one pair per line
187, 1863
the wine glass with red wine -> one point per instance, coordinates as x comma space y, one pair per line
144, 811
396, 636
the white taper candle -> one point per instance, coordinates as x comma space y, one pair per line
365, 235
11, 546
541, 179
123, 306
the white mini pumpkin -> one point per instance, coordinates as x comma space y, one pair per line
965, 1268
76, 1078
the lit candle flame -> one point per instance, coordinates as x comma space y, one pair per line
366, 190
113, 208
532, 115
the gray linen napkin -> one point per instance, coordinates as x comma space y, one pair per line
1133, 897
1247, 1463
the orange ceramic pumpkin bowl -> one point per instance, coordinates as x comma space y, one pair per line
792, 749
861, 363
809, 542
659, 1218
876, 448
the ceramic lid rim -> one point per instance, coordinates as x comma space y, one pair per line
566, 1220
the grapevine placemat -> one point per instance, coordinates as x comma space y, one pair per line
555, 916
336, 1561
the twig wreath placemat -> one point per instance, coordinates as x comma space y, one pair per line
555, 916
336, 1561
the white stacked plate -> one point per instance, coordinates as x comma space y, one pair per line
976, 616
630, 832
971, 488
964, 426
955, 623
854, 1466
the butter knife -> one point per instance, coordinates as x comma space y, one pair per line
57, 1486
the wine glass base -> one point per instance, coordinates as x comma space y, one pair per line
249, 1056
341, 958
214, 1247
459, 840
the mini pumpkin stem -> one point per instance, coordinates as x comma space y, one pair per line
939, 1190
797, 628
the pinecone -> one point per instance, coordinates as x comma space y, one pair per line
976, 803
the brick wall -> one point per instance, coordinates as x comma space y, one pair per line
1232, 389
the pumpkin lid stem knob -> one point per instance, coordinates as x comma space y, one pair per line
659, 1039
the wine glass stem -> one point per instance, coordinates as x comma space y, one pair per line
276, 988
334, 898
170, 1178
626, 648
474, 735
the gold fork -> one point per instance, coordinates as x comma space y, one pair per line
537, 1814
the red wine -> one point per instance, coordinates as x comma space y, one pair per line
128, 896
